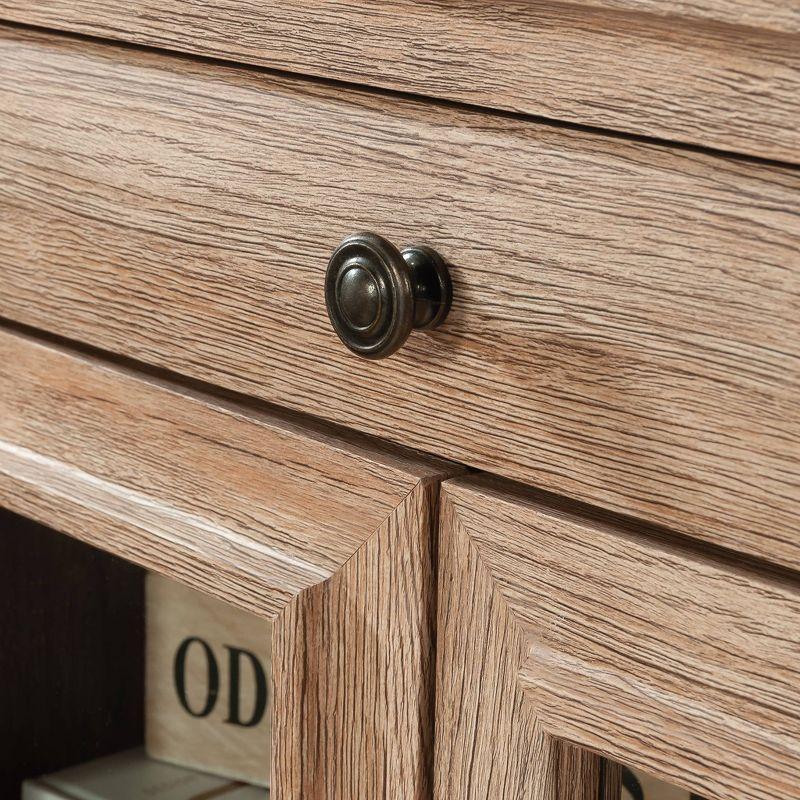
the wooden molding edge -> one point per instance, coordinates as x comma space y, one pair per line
353, 666
674, 661
492, 743
332, 540
242, 504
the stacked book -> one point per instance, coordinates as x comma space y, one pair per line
131, 775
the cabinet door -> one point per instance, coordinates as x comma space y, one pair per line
570, 645
328, 536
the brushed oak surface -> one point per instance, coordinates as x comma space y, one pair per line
490, 744
246, 507
556, 628
722, 74
776, 15
371, 627
626, 324
301, 527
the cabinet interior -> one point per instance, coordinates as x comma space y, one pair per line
72, 619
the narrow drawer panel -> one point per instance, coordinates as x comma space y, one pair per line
721, 74
625, 329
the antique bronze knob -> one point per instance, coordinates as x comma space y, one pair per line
376, 295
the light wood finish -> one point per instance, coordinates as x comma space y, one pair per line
773, 15
626, 324
350, 630
554, 628
296, 525
722, 74
243, 506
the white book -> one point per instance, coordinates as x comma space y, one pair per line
131, 775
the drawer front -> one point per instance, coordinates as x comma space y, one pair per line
331, 540
556, 629
721, 74
625, 327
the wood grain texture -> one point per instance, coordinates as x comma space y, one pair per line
71, 662
626, 324
359, 645
626, 318
722, 74
244, 506
298, 526
555, 628
774, 15
490, 743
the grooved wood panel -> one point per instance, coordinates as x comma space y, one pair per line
554, 628
292, 524
490, 744
626, 324
721, 74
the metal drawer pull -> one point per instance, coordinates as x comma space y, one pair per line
376, 295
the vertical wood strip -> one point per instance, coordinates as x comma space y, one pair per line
583, 775
353, 671
490, 744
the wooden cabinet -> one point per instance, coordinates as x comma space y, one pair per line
551, 539
562, 637
330, 537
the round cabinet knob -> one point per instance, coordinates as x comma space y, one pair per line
376, 295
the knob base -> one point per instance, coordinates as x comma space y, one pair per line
431, 285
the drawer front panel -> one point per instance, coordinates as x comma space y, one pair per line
722, 74
625, 327
554, 628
